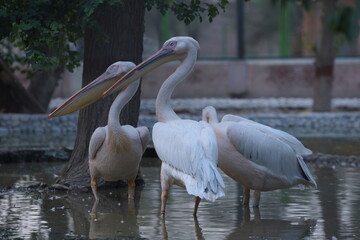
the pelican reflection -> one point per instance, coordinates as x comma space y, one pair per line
198, 230
271, 228
114, 218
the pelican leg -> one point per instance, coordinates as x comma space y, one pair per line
164, 233
256, 198
164, 197
131, 188
246, 196
165, 187
246, 216
198, 229
131, 214
93, 213
197, 202
94, 188
257, 214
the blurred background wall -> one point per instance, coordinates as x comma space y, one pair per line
254, 49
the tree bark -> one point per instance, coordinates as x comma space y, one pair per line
123, 25
324, 60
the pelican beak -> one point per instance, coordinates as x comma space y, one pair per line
163, 56
88, 94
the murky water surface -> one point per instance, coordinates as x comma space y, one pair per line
331, 210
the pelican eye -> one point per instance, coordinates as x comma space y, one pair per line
171, 44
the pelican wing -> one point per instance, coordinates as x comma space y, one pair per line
190, 147
96, 141
285, 137
267, 150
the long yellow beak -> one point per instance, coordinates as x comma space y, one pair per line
161, 57
88, 94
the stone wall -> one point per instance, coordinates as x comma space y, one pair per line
289, 114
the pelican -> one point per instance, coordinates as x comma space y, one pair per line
187, 148
115, 151
257, 156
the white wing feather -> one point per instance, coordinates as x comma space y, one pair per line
96, 141
267, 150
191, 148
285, 137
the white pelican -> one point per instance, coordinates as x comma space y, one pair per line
187, 148
115, 151
257, 156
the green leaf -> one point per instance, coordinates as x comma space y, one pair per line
348, 23
306, 4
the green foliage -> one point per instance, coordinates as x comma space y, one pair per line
44, 32
306, 4
345, 22
188, 11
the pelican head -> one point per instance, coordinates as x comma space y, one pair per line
209, 115
174, 49
93, 91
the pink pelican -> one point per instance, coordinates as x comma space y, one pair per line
257, 156
115, 151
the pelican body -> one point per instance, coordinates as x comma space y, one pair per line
115, 151
259, 157
187, 148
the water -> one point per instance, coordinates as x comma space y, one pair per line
323, 213
331, 210
332, 145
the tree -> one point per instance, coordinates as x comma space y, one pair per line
339, 19
336, 19
123, 24
324, 60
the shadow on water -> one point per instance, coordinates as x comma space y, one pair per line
323, 213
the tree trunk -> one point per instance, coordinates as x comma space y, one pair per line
43, 85
324, 60
13, 96
123, 25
